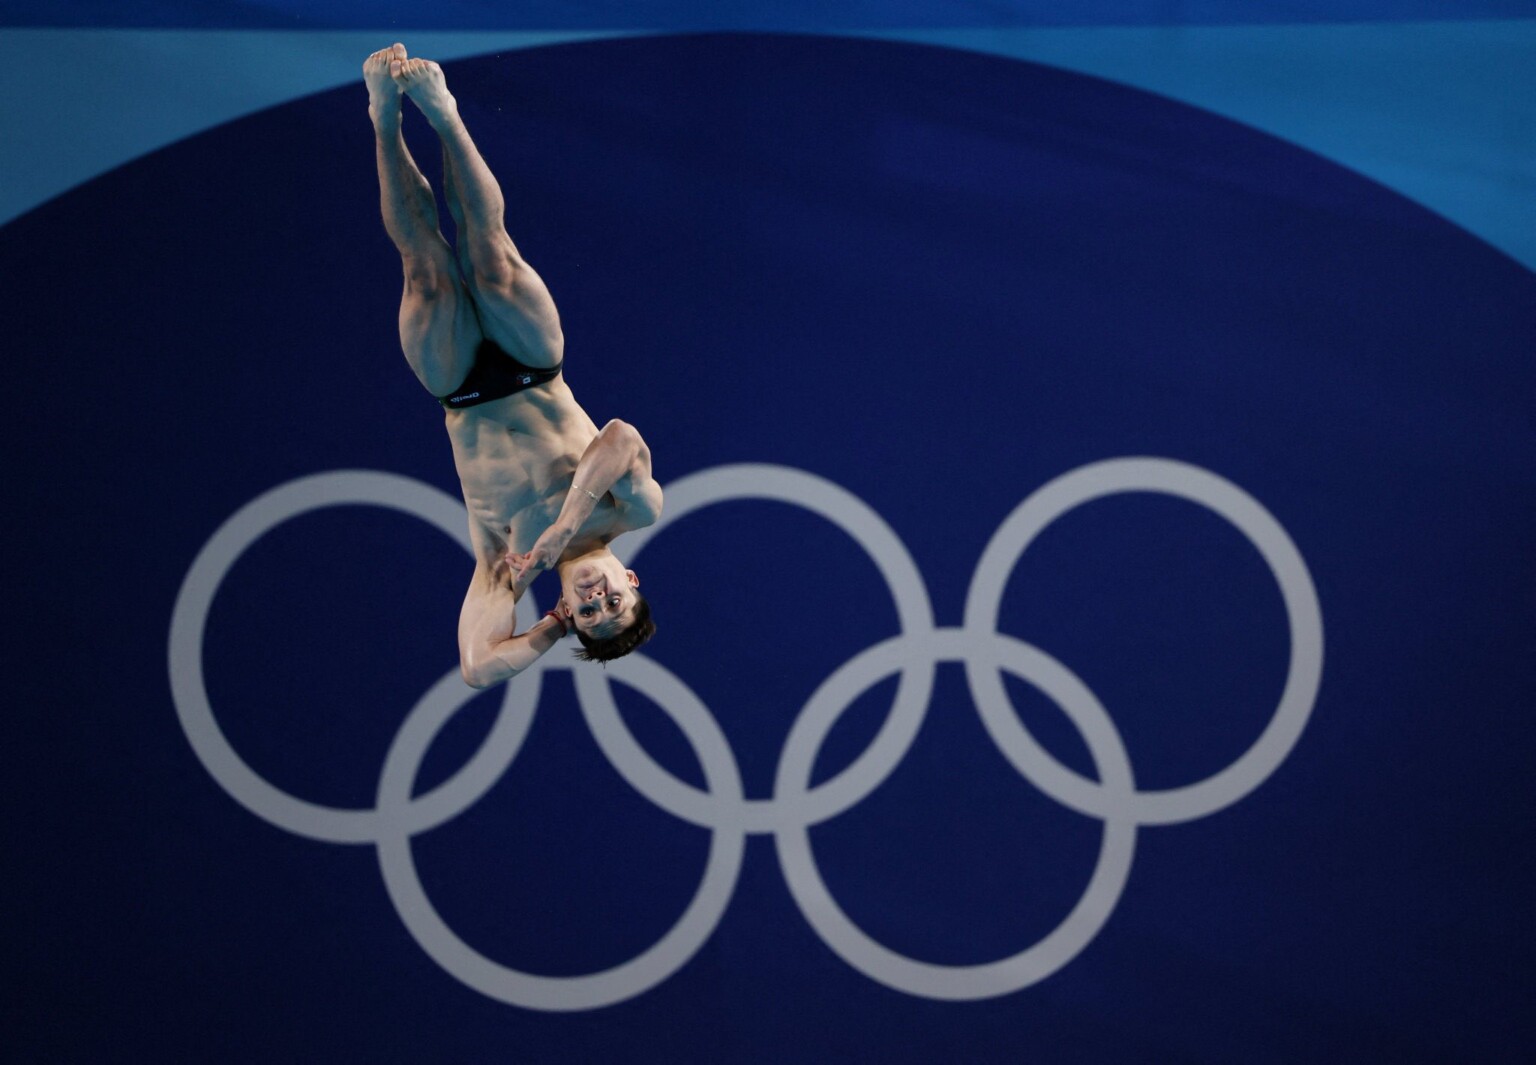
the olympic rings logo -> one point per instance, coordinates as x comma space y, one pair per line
795, 806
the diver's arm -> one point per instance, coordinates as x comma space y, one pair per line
489, 652
618, 461
636, 492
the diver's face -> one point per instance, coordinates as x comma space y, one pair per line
600, 596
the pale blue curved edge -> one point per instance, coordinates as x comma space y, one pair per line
81, 102
1442, 112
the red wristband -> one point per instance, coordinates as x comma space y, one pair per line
556, 615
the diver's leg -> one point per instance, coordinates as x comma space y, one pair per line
456, 212
515, 309
438, 328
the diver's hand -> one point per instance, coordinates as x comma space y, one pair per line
542, 556
525, 567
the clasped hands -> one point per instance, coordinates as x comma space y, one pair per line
543, 555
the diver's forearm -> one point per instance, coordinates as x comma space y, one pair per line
607, 458
488, 664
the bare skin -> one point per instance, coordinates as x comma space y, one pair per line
545, 489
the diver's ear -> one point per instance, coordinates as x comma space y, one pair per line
634, 581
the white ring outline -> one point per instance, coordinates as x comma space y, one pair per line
794, 806
1072, 934
1303, 613
784, 484
189, 620
561, 993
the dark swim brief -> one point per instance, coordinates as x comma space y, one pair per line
495, 375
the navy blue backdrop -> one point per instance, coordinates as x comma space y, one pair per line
935, 279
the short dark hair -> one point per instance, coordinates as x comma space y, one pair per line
621, 643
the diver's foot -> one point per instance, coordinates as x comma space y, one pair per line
422, 80
383, 93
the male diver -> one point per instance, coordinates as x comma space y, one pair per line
482, 334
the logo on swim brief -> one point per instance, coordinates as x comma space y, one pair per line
461, 399
526, 379
1109, 796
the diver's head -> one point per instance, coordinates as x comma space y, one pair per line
602, 600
